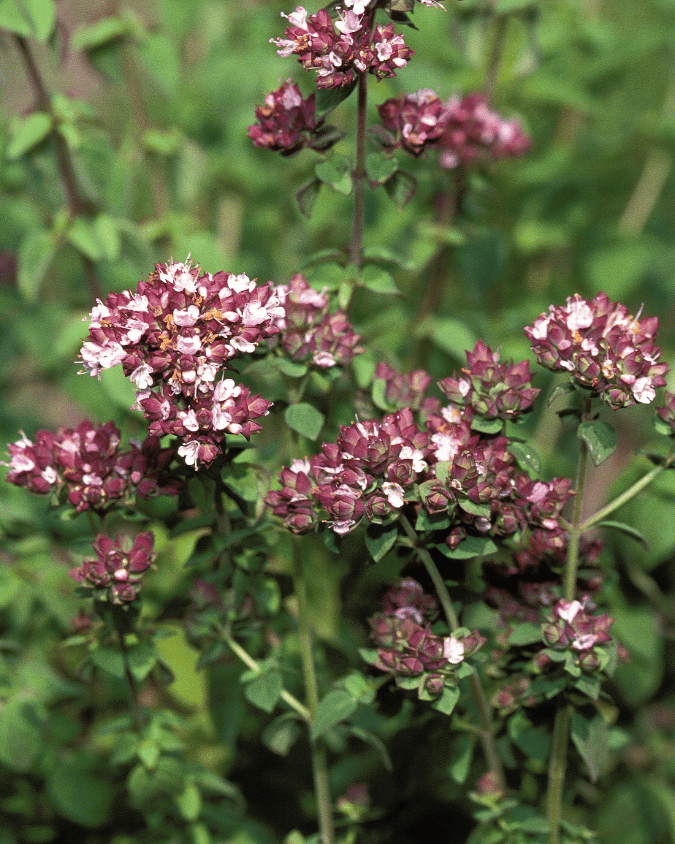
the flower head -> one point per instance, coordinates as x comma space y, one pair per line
116, 572
603, 347
286, 121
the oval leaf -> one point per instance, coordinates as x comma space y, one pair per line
335, 707
305, 419
28, 133
600, 439
336, 172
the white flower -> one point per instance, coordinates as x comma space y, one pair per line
395, 493
453, 650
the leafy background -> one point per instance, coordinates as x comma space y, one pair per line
153, 103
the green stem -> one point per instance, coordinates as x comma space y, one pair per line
248, 660
318, 751
556, 773
136, 709
359, 177
487, 731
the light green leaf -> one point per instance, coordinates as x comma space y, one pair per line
36, 254
380, 539
305, 419
379, 168
13, 19
265, 691
99, 34
591, 739
82, 235
600, 439
378, 280
42, 14
447, 700
28, 133
335, 707
336, 171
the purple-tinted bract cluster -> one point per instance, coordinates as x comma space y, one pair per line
491, 389
309, 332
86, 463
116, 573
573, 627
339, 50
286, 122
603, 348
406, 645
408, 389
463, 129
175, 337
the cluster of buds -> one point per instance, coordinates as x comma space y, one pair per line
287, 123
406, 390
86, 463
603, 348
406, 645
340, 50
175, 336
116, 573
667, 412
365, 473
572, 627
309, 332
491, 389
462, 129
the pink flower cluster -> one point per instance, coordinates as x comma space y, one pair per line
573, 626
116, 573
491, 389
174, 338
340, 50
286, 122
463, 129
309, 331
86, 463
409, 389
603, 347
406, 645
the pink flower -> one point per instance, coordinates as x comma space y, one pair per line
116, 573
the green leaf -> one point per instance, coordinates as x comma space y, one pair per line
82, 235
42, 15
82, 796
452, 335
600, 439
99, 34
401, 188
379, 168
335, 707
36, 254
480, 510
591, 739
533, 741
328, 98
359, 687
189, 802
431, 521
20, 736
373, 741
380, 539
447, 700
148, 752
13, 19
281, 734
142, 658
471, 546
265, 691
110, 660
378, 280
526, 456
525, 634
292, 368
462, 754
629, 530
486, 426
305, 419
28, 133
336, 171
306, 197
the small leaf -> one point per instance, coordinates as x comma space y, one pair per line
36, 254
629, 530
447, 700
378, 280
142, 658
373, 741
380, 539
336, 172
42, 14
462, 754
472, 546
600, 439
28, 133
148, 752
526, 456
305, 419
82, 235
109, 660
306, 197
486, 426
189, 802
379, 168
328, 98
335, 707
292, 368
525, 634
264, 692
401, 188
281, 734
99, 34
13, 19
560, 390
591, 739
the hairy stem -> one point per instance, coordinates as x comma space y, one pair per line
487, 731
248, 660
318, 751
359, 177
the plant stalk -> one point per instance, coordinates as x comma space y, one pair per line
318, 751
487, 731
359, 177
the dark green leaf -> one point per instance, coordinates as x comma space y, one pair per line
591, 739
20, 736
82, 235
378, 280
373, 741
305, 419
471, 546
110, 660
486, 426
265, 691
335, 707
336, 171
281, 734
306, 197
379, 168
525, 634
462, 754
560, 390
533, 741
447, 700
600, 439
526, 456
81, 796
401, 188
380, 539
629, 530
328, 98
